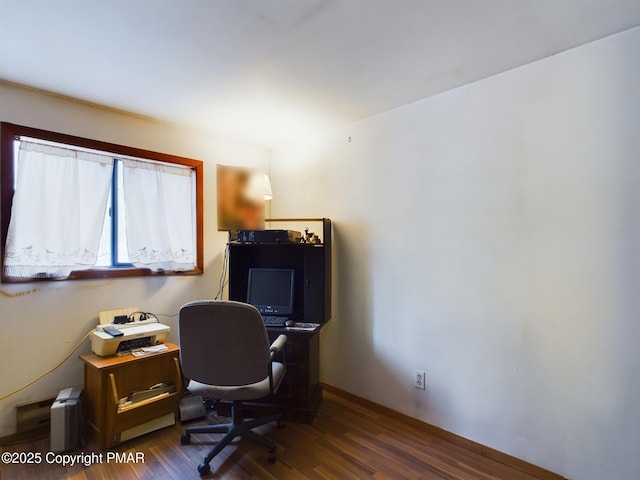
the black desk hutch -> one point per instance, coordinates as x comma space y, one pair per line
300, 394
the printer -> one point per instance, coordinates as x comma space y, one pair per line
121, 338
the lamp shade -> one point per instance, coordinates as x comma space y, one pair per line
268, 194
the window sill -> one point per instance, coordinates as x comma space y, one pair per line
125, 272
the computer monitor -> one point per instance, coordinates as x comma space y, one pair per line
270, 290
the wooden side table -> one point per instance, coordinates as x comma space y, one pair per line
108, 379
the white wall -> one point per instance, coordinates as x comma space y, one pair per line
40, 323
490, 236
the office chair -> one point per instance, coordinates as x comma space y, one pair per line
226, 355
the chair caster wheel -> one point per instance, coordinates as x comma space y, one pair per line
185, 438
272, 456
204, 468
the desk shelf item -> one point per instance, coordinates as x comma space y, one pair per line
109, 381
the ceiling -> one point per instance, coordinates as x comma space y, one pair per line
267, 71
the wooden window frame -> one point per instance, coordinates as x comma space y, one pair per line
10, 132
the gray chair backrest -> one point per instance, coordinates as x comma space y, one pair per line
223, 343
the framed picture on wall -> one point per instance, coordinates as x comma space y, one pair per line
240, 198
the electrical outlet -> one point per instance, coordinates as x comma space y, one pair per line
419, 379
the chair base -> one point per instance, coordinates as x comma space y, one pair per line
239, 428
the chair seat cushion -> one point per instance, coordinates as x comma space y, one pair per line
251, 391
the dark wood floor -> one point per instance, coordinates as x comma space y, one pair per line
347, 440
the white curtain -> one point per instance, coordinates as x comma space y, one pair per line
160, 215
58, 209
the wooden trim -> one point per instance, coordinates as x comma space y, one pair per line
294, 219
7, 134
9, 131
506, 459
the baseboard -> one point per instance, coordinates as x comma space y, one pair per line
513, 462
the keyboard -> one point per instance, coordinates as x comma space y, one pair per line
273, 321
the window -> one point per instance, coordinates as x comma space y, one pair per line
78, 208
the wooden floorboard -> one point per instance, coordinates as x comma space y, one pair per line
347, 440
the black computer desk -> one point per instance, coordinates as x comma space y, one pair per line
300, 393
